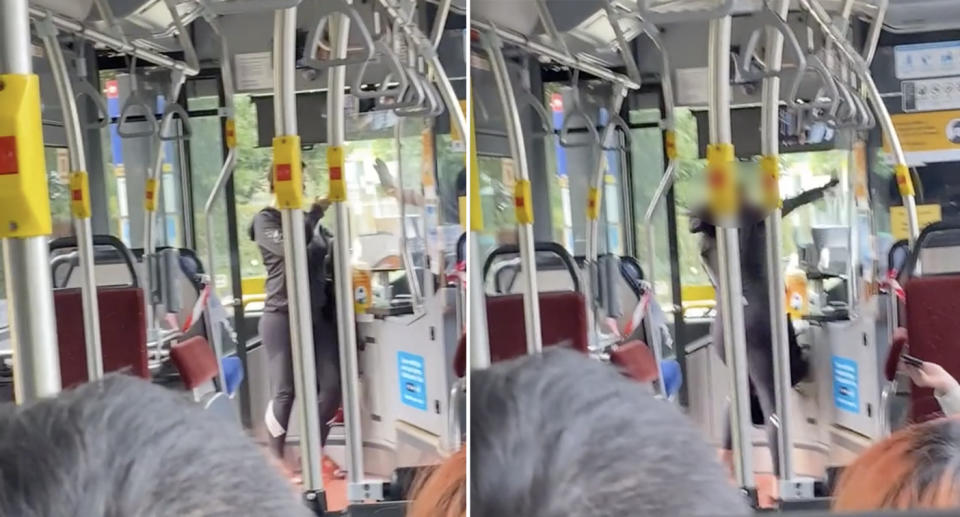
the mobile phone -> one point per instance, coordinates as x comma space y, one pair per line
911, 360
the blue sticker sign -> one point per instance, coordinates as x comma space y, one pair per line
846, 385
413, 380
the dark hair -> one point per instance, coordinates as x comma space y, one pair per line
560, 434
123, 446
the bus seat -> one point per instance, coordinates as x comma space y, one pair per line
932, 325
194, 361
635, 360
123, 333
232, 373
563, 321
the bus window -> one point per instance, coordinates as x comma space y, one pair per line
497, 180
58, 184
648, 144
206, 159
126, 162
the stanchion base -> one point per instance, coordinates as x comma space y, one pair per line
316, 502
798, 489
750, 494
365, 491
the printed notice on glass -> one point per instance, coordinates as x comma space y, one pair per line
923, 60
931, 94
254, 71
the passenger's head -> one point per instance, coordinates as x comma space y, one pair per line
561, 434
916, 468
443, 491
125, 447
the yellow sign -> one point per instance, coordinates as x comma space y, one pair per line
926, 214
928, 137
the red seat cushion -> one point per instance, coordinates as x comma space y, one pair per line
563, 321
123, 333
194, 361
897, 348
934, 328
460, 358
635, 360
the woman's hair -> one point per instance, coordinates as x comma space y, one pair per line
916, 468
559, 434
442, 491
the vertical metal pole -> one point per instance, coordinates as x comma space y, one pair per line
666, 183
518, 151
216, 335
346, 325
413, 280
770, 147
149, 216
33, 324
594, 204
78, 166
728, 244
295, 260
479, 344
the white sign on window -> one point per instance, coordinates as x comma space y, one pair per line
931, 94
923, 60
692, 86
254, 71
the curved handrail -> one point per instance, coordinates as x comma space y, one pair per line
539, 247
173, 109
769, 19
136, 101
384, 90
316, 35
102, 240
816, 65
412, 99
578, 111
616, 121
626, 54
83, 88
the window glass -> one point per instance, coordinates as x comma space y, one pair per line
206, 160
128, 159
646, 148
497, 179
799, 172
374, 215
58, 183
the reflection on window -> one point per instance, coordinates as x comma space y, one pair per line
648, 169
127, 160
799, 172
58, 184
497, 179
375, 223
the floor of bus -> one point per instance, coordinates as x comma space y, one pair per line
336, 489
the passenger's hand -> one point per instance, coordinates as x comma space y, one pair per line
932, 375
386, 179
832, 183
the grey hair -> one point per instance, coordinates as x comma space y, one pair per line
560, 434
125, 447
